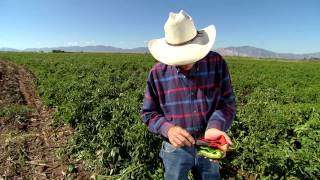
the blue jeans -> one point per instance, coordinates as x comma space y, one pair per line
178, 161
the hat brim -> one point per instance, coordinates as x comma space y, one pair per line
187, 53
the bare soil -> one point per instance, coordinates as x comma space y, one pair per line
31, 146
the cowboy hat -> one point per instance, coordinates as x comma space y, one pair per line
182, 43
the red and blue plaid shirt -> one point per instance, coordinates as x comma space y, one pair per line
198, 101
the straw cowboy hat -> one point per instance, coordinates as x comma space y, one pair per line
182, 43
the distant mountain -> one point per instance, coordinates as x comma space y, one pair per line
249, 51
99, 48
8, 49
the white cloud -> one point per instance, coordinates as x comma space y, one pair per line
81, 43
73, 43
92, 42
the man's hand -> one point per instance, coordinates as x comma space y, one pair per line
214, 133
179, 137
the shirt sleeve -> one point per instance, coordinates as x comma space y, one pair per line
151, 112
224, 114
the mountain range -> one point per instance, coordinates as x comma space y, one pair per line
246, 51
249, 51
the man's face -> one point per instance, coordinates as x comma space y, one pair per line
187, 66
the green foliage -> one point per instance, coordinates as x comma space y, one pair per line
276, 132
17, 113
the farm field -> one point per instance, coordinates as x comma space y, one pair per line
276, 132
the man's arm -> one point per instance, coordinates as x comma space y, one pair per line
152, 113
153, 116
223, 116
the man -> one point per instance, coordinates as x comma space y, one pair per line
188, 96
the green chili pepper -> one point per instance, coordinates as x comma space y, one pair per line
210, 152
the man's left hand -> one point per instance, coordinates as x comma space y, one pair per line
214, 133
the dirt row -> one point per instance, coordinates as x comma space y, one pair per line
32, 145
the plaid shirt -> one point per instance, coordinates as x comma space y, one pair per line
201, 100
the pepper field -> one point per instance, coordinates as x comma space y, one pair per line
276, 132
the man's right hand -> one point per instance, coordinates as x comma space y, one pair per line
179, 137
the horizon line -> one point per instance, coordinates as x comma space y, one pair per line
23, 49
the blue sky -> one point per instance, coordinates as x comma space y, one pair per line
277, 25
